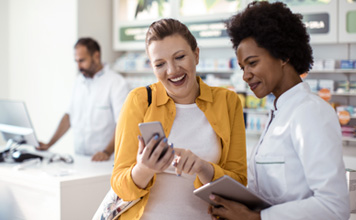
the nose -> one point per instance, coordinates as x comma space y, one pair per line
171, 68
247, 76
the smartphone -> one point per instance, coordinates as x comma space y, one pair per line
149, 130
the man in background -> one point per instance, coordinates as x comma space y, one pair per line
97, 98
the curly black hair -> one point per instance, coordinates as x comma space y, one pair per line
275, 28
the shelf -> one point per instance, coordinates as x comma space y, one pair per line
253, 132
339, 94
334, 71
256, 111
350, 139
218, 72
136, 73
343, 94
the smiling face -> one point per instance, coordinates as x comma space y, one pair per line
263, 73
174, 65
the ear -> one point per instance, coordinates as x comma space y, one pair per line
96, 56
196, 53
284, 62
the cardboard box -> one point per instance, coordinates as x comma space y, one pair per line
351, 183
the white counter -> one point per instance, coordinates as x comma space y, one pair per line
40, 192
55, 191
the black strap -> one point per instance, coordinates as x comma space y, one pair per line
149, 95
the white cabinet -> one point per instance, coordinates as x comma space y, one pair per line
347, 21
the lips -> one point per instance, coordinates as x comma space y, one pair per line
178, 80
253, 86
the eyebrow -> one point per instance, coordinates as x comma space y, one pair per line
159, 59
249, 57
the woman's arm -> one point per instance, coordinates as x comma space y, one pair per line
126, 146
229, 125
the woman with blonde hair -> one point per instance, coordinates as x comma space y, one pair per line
204, 123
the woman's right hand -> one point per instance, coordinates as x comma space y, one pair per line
149, 156
149, 161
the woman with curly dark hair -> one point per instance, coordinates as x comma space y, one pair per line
297, 165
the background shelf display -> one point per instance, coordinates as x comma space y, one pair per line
327, 21
343, 99
205, 19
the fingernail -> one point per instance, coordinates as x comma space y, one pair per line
165, 140
156, 137
173, 152
178, 175
171, 145
212, 197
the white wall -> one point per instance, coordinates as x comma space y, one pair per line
95, 20
41, 64
4, 48
334, 51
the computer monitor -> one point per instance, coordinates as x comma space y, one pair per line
15, 123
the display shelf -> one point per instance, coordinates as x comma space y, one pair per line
218, 72
343, 94
334, 71
135, 72
256, 111
255, 133
350, 139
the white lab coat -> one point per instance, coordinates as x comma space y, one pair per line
94, 109
298, 164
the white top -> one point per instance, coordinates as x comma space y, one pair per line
94, 109
298, 164
172, 196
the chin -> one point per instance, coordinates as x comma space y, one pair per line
260, 96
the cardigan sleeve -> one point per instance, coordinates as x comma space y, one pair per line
126, 146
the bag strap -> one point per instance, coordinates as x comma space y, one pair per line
149, 95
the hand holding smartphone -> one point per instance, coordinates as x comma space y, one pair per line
149, 130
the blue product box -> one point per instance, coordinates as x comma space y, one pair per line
347, 64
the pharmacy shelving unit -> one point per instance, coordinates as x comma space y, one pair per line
349, 97
256, 111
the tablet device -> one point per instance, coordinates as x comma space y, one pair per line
229, 188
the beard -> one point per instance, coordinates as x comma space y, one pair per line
89, 72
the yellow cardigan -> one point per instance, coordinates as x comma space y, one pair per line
221, 107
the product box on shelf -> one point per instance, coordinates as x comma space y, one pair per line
256, 122
347, 64
351, 183
313, 83
343, 86
326, 84
329, 64
318, 64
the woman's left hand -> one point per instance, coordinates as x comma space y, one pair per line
231, 210
188, 162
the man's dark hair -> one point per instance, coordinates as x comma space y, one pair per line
275, 28
91, 44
